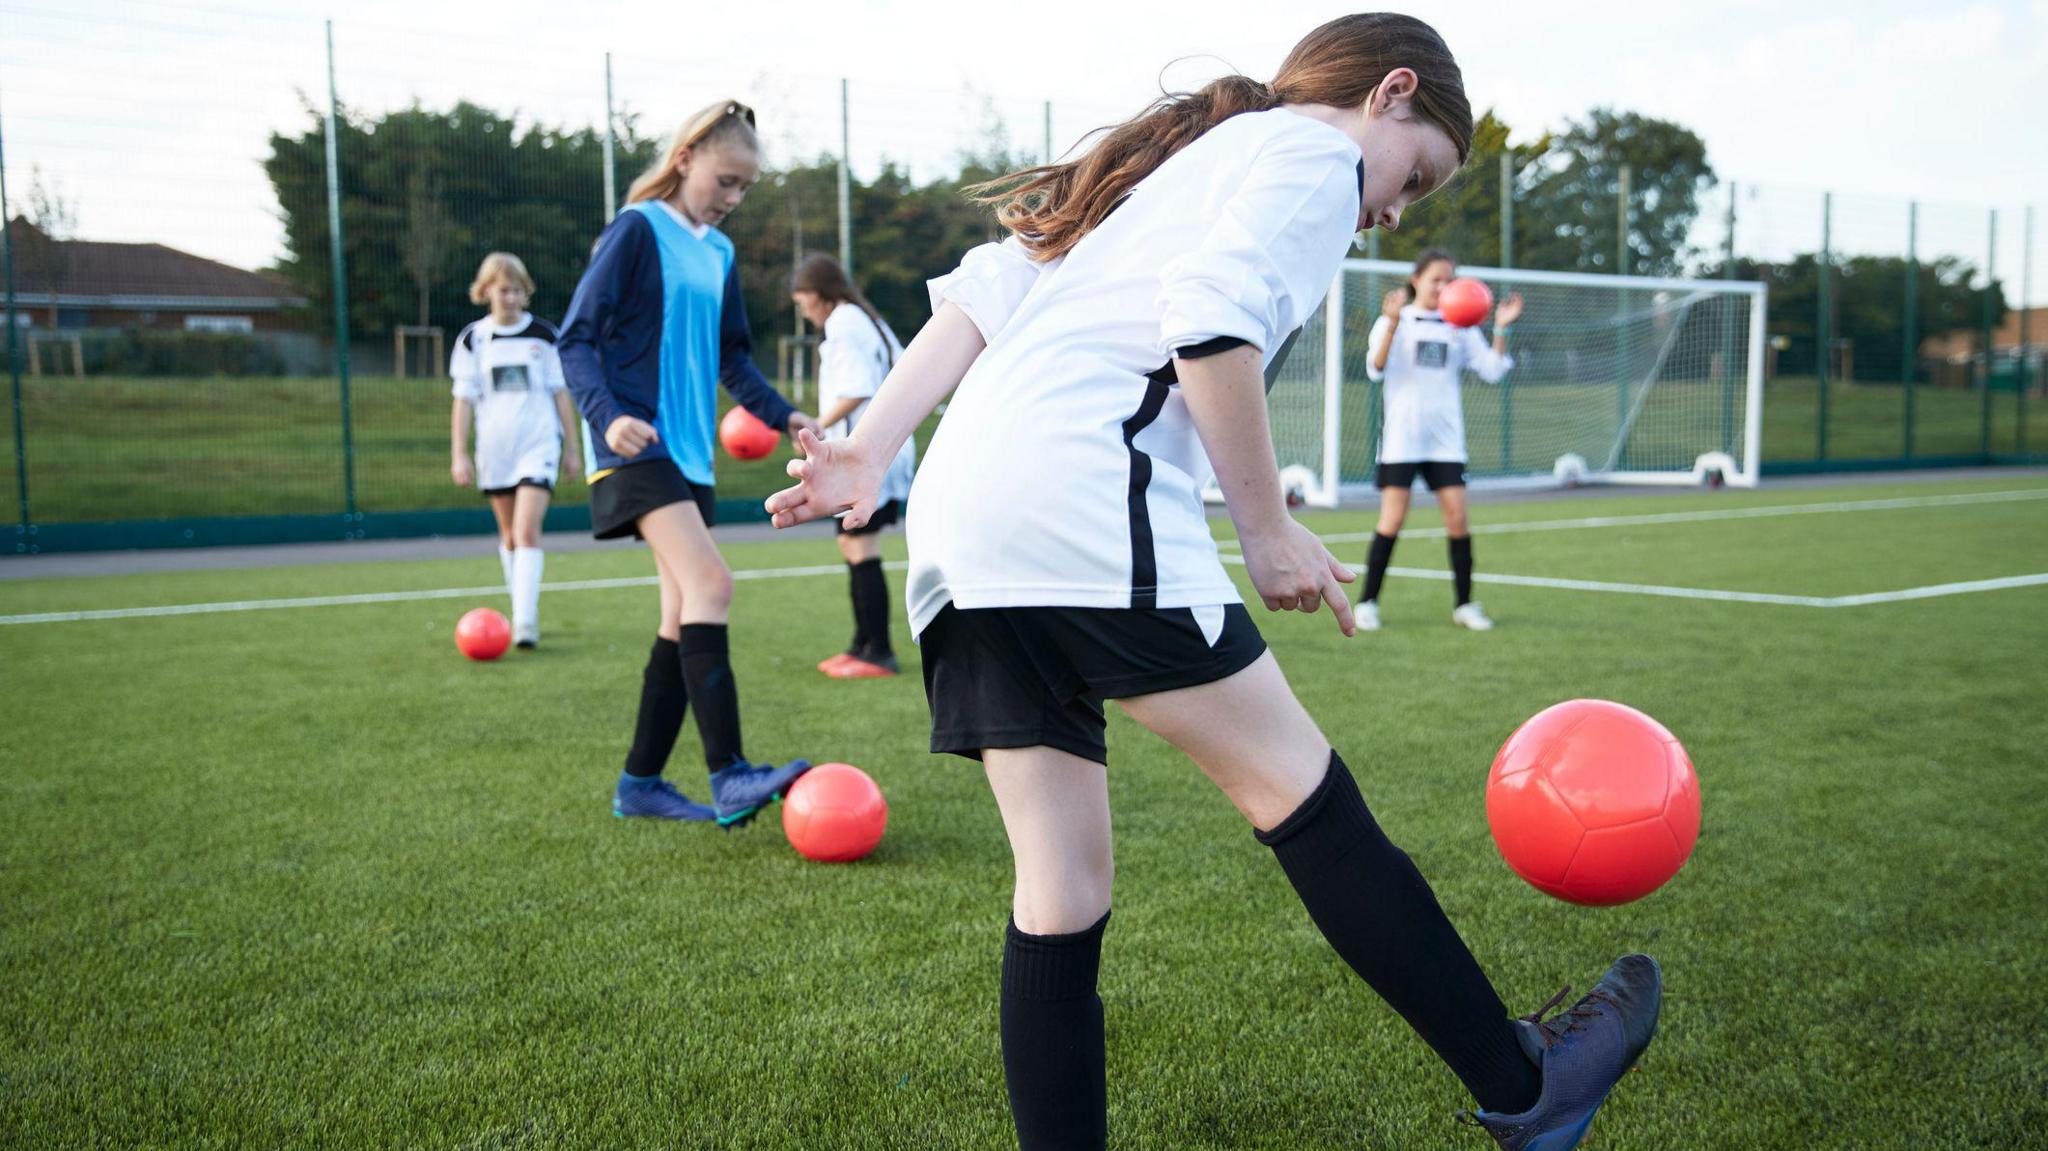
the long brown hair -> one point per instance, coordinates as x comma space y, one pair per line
823, 275
1341, 64
727, 122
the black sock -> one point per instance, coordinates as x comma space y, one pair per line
708, 671
1379, 914
1052, 1038
871, 608
1461, 567
857, 590
1377, 558
663, 699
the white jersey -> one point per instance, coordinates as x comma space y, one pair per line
853, 361
510, 375
1067, 471
1425, 418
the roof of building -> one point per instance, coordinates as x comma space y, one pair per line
98, 273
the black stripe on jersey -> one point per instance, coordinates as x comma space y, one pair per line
539, 329
468, 337
1144, 561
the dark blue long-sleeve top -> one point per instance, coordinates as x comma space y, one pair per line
655, 321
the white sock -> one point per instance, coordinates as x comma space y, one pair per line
505, 564
526, 568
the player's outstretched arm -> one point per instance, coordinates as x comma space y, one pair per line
1289, 566
844, 475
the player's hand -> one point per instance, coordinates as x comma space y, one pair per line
1392, 303
800, 421
629, 436
461, 471
1509, 310
1293, 571
833, 476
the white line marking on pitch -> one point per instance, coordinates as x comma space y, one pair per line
1708, 514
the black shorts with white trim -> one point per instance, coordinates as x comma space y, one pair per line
885, 514
1438, 474
619, 498
1038, 676
523, 482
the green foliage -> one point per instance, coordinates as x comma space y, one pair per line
1868, 299
1463, 217
1567, 214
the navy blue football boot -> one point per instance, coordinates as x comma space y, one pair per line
1582, 1053
658, 800
742, 789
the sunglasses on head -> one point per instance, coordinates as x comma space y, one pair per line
710, 118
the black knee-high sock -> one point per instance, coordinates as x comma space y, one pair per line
871, 607
1380, 915
856, 590
1461, 567
1052, 1039
663, 699
707, 669
1377, 557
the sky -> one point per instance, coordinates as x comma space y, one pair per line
152, 117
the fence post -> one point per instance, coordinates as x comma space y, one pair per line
1507, 260
2026, 300
1911, 353
1048, 133
1990, 291
845, 183
1824, 322
27, 526
1623, 346
348, 440
611, 166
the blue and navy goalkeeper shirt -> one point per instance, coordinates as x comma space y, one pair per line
656, 319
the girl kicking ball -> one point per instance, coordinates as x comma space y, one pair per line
656, 325
858, 351
1423, 360
1107, 358
509, 377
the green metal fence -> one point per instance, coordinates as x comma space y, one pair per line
262, 356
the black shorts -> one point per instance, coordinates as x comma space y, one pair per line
526, 482
1038, 676
1438, 474
618, 500
884, 515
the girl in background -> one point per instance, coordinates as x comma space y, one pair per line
508, 376
1423, 360
657, 324
857, 353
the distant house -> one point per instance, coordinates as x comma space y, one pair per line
2005, 338
100, 285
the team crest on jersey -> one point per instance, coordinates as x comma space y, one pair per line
1432, 353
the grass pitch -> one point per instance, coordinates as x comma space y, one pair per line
307, 878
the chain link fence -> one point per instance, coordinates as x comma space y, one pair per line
231, 293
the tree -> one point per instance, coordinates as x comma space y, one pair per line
1868, 299
53, 223
1566, 210
425, 244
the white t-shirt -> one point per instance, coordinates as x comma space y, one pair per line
1067, 472
510, 375
854, 359
1425, 419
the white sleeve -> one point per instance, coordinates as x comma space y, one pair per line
551, 370
847, 364
1480, 357
1380, 331
989, 285
465, 371
1269, 258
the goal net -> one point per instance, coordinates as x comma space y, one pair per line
1617, 379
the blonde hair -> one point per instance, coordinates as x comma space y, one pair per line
498, 266
1051, 206
725, 123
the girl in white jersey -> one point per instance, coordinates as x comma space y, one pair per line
858, 351
1106, 357
1423, 360
507, 373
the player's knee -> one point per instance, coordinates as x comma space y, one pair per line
1073, 903
709, 587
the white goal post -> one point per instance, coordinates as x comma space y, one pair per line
1617, 379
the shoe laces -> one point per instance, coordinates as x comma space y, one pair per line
1576, 1018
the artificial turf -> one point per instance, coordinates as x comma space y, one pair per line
307, 878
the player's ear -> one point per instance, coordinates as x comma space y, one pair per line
1395, 95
